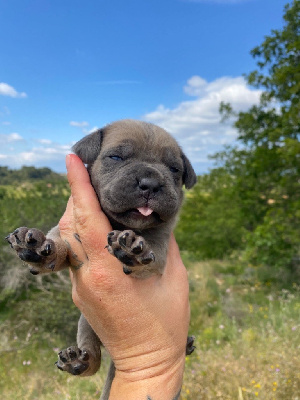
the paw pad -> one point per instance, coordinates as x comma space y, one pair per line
190, 345
73, 360
32, 246
132, 250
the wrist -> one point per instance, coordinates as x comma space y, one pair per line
159, 382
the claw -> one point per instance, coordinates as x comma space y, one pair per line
122, 239
58, 366
52, 266
149, 259
17, 239
190, 345
30, 238
127, 271
7, 238
63, 359
46, 251
33, 272
138, 249
85, 355
109, 236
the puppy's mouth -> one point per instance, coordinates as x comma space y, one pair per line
139, 215
145, 211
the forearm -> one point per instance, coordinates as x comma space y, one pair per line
166, 386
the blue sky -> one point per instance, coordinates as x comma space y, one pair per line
67, 67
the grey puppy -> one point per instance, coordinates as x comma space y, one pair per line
137, 170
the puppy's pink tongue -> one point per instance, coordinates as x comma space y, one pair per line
146, 211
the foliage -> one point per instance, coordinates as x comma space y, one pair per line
38, 312
36, 203
247, 333
260, 176
10, 176
208, 227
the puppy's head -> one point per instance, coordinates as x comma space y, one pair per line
137, 170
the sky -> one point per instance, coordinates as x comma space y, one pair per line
69, 67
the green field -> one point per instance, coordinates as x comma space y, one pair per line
245, 317
247, 336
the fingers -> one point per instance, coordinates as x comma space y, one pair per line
87, 210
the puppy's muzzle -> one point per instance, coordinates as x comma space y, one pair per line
149, 187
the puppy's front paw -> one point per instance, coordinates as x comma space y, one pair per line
73, 360
34, 248
130, 249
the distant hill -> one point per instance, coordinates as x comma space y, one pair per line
12, 176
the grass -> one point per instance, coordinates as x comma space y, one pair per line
248, 335
27, 372
247, 332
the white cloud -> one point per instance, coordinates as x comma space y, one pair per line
7, 90
12, 137
196, 123
195, 86
46, 153
44, 141
79, 124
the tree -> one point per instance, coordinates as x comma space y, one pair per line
211, 221
268, 167
251, 200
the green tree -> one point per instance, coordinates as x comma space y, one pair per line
251, 200
268, 167
211, 221
12, 176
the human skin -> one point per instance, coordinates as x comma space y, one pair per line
143, 324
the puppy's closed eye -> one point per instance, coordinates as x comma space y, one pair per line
116, 158
174, 169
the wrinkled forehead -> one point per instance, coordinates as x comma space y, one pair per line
143, 136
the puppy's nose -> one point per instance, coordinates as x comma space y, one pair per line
149, 186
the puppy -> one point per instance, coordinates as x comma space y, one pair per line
137, 170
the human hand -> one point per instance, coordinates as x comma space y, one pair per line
142, 323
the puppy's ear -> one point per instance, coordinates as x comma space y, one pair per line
88, 148
189, 175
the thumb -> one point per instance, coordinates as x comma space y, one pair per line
87, 210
